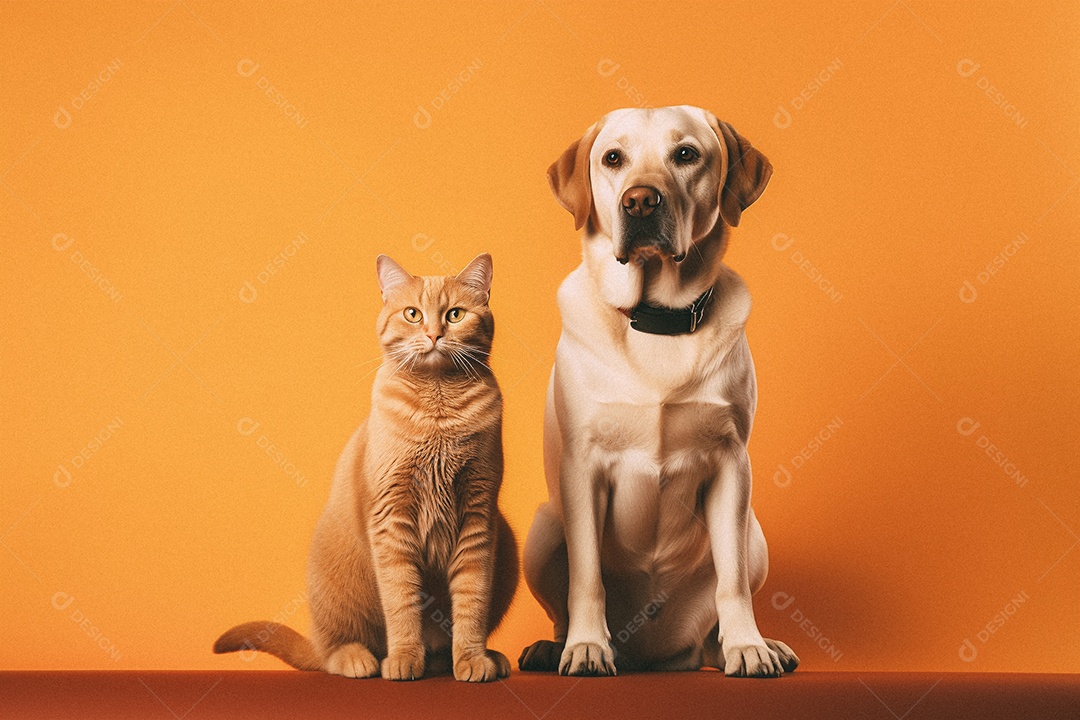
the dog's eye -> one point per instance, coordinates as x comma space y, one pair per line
413, 315
455, 315
613, 158
686, 155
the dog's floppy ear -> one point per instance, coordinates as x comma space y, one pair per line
569, 177
748, 172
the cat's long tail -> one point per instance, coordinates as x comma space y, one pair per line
270, 637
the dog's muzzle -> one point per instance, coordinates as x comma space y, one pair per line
645, 224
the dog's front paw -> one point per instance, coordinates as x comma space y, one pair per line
404, 665
353, 661
788, 659
482, 667
754, 659
587, 659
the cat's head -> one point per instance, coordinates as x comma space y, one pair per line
436, 323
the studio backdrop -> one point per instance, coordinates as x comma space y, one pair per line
193, 195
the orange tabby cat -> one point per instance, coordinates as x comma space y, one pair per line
411, 542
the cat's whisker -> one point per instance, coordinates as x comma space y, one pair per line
397, 353
393, 354
380, 356
478, 361
458, 361
473, 374
471, 351
458, 344
465, 364
374, 370
400, 356
472, 356
479, 351
408, 359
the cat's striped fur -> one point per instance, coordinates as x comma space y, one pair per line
411, 542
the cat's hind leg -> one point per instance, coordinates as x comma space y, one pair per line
505, 581
347, 627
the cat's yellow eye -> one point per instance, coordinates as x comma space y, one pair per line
455, 315
413, 315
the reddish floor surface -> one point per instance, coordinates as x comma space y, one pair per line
290, 694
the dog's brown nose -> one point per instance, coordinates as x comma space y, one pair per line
640, 201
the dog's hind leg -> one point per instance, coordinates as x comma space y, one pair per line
757, 553
711, 655
547, 573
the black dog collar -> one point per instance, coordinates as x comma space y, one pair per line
655, 320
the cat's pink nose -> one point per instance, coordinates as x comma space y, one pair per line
433, 337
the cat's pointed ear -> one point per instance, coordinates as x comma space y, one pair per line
390, 274
477, 274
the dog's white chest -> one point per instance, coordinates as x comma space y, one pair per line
667, 435
656, 458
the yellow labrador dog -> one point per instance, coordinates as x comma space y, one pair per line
647, 553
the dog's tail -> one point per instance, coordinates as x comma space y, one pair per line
270, 637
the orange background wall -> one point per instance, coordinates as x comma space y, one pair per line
147, 181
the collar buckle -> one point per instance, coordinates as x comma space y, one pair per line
697, 309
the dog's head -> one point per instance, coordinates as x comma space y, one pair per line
656, 181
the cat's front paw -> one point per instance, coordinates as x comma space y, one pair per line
353, 661
404, 665
482, 667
